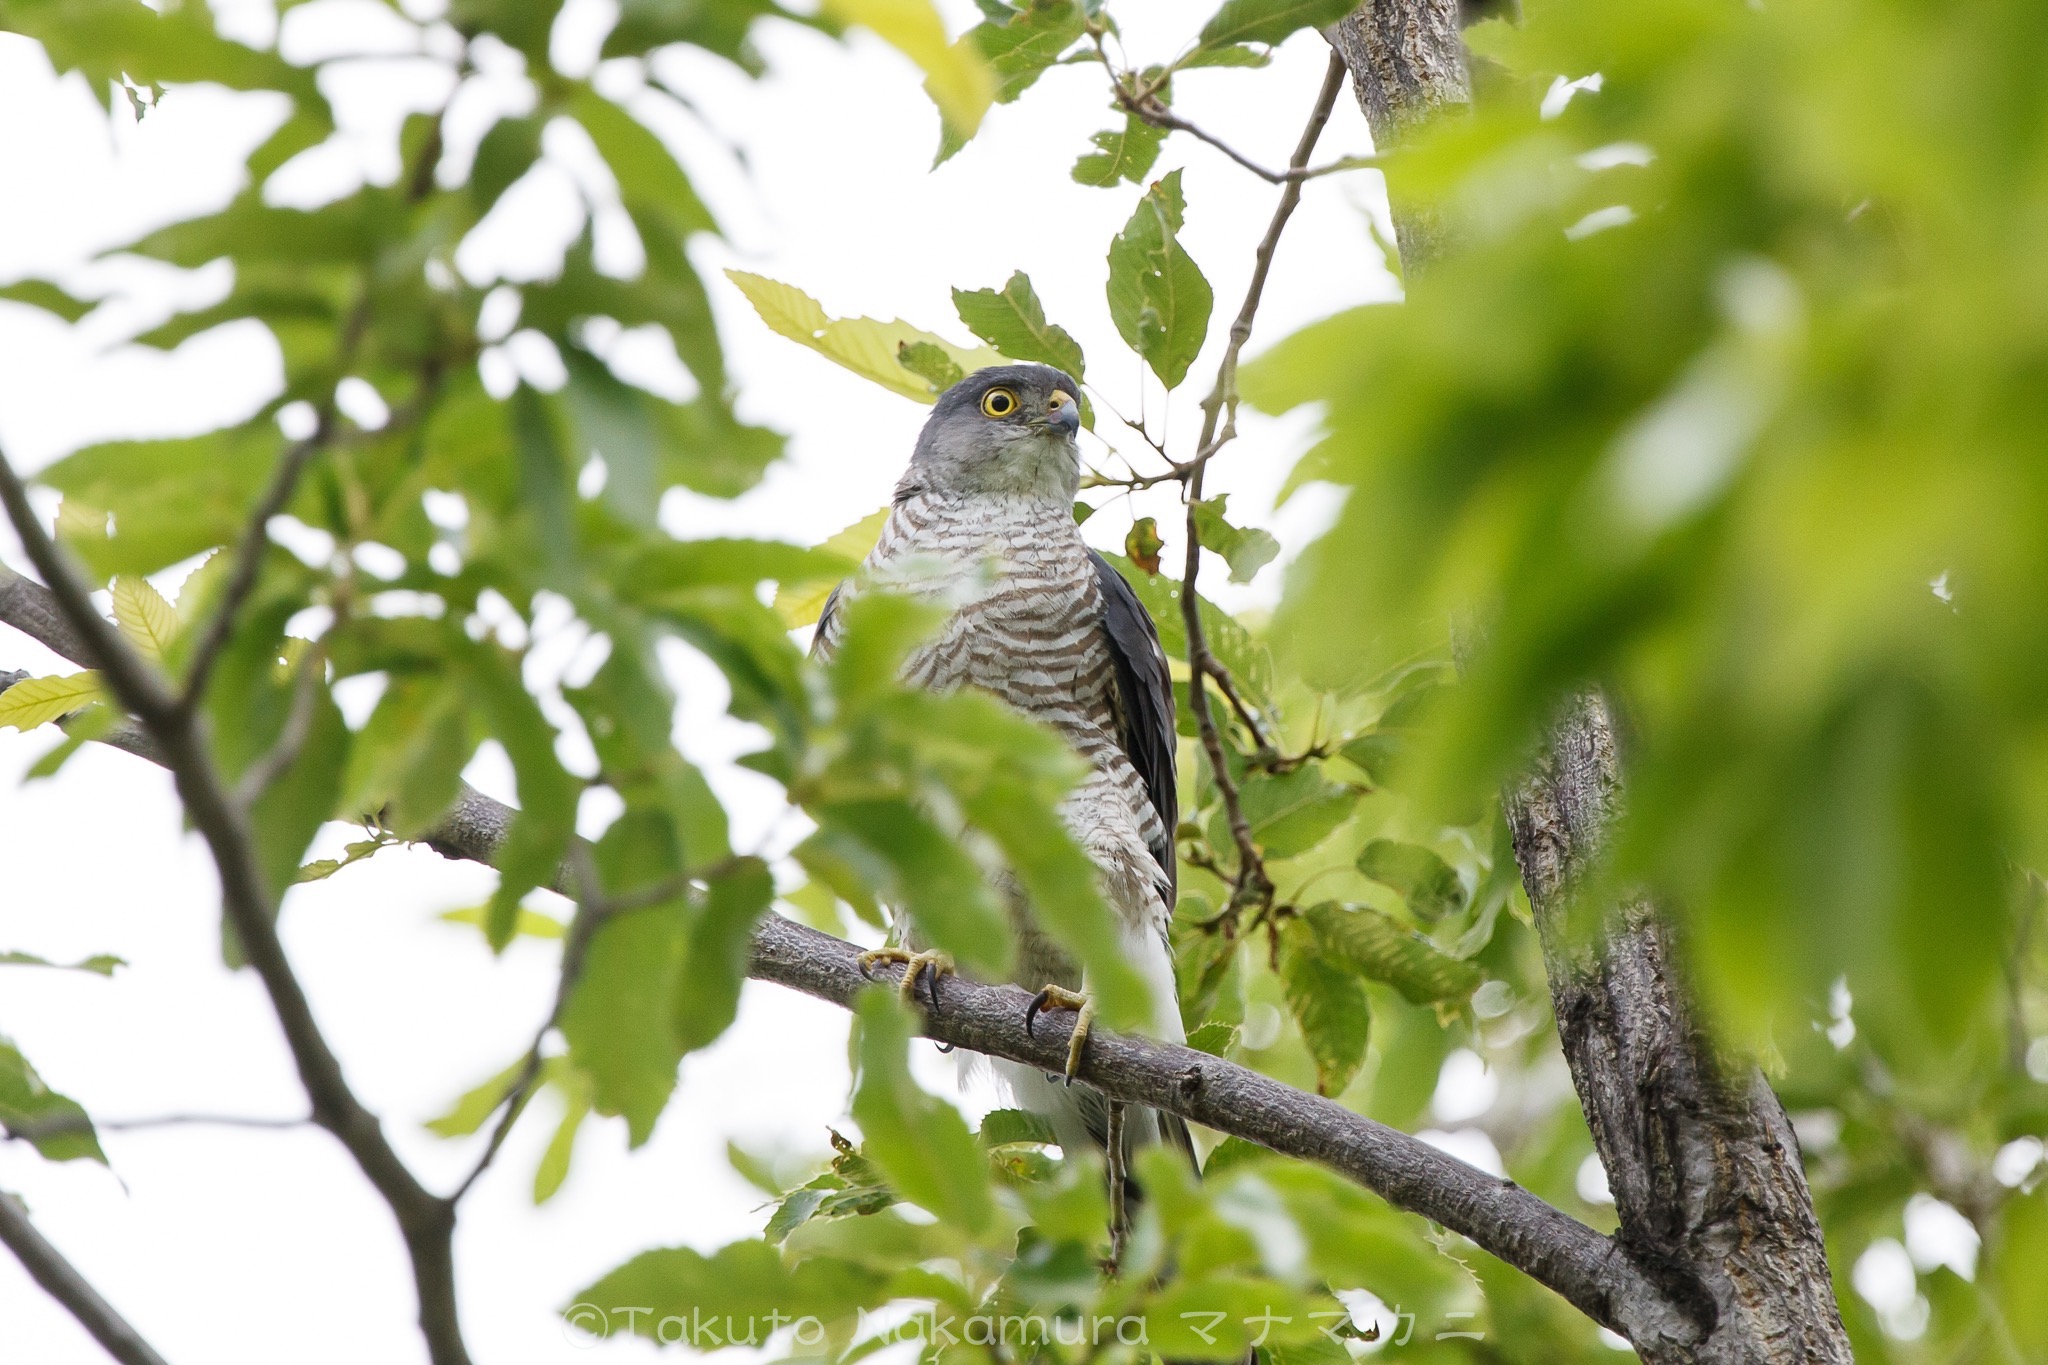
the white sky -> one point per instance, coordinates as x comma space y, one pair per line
235, 1246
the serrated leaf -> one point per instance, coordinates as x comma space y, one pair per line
148, 620
869, 348
1292, 812
1158, 297
799, 603
1329, 1004
1120, 154
39, 701
1425, 881
1000, 1127
54, 1125
1214, 1037
1245, 549
1012, 320
1269, 21
1385, 950
649, 177
1223, 56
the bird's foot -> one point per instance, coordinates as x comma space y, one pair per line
914, 966
1060, 998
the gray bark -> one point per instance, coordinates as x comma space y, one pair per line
1407, 62
1712, 1200
61, 1280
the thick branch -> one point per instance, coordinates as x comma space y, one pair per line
62, 1282
1707, 1181
177, 731
1498, 1215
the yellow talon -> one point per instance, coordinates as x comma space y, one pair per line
914, 966
1060, 998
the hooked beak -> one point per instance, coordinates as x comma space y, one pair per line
1063, 412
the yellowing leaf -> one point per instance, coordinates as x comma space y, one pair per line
800, 603
38, 701
145, 617
869, 348
955, 74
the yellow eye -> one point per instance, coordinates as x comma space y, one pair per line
998, 403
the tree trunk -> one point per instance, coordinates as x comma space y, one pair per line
1708, 1186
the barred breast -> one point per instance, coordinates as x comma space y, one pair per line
1027, 627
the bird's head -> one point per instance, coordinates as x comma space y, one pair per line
1005, 430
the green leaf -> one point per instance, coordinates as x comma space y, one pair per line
170, 499
916, 866
405, 767
921, 1143
1214, 1037
1268, 21
1329, 1005
1013, 321
956, 76
869, 348
531, 923
1224, 56
745, 1281
99, 964
1292, 812
930, 363
1158, 298
1000, 1127
650, 179
547, 794
1024, 43
475, 1105
1425, 881
1230, 1154
38, 701
1121, 154
1245, 550
714, 967
554, 1162
1379, 947
48, 297
54, 1125
148, 621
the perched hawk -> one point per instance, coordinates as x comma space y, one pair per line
984, 521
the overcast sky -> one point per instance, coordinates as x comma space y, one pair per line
233, 1246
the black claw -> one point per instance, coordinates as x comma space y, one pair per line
945, 1047
933, 983
1038, 1002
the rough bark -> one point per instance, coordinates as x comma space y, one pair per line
1712, 1200
1707, 1182
1407, 64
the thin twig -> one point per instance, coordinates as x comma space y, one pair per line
62, 1282
250, 906
1219, 424
66, 1125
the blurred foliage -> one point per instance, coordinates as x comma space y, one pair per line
1726, 399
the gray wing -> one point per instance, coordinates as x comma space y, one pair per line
1144, 705
825, 637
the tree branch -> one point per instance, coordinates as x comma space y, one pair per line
62, 1282
250, 906
1509, 1222
1498, 1215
